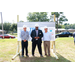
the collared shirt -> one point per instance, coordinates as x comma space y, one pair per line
47, 36
24, 35
36, 34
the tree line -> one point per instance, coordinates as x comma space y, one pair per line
13, 27
8, 27
67, 26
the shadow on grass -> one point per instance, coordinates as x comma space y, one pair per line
44, 59
62, 59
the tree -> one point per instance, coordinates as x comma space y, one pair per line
37, 17
21, 21
0, 26
60, 18
7, 26
70, 26
61, 26
13, 27
66, 24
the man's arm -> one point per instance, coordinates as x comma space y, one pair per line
50, 36
32, 34
22, 36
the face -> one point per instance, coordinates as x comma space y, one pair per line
46, 29
36, 28
24, 29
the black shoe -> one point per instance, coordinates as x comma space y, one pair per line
41, 55
33, 55
27, 55
22, 55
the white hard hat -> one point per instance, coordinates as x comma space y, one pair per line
24, 26
36, 25
45, 27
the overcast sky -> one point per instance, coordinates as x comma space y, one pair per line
12, 16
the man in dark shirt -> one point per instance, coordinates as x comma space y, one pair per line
36, 35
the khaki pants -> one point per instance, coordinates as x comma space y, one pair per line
47, 47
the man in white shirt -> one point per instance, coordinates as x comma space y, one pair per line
46, 39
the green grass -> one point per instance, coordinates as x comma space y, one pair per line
65, 49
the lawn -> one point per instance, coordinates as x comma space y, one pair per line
65, 50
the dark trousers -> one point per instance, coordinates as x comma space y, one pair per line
38, 45
24, 46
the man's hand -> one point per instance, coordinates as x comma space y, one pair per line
24, 40
36, 37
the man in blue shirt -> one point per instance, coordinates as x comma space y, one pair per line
24, 38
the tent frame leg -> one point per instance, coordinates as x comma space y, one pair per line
53, 50
18, 51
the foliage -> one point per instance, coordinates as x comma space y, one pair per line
71, 26
37, 17
0, 26
61, 26
21, 21
9, 27
60, 18
13, 27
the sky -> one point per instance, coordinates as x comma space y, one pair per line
12, 17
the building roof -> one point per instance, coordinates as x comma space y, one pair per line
60, 29
2, 30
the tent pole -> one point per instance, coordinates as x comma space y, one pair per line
53, 46
2, 25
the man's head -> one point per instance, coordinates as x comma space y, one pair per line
46, 29
36, 26
24, 27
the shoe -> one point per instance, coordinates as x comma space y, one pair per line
49, 55
22, 55
27, 55
33, 55
45, 54
41, 55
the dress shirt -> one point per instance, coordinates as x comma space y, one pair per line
36, 34
24, 35
47, 36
